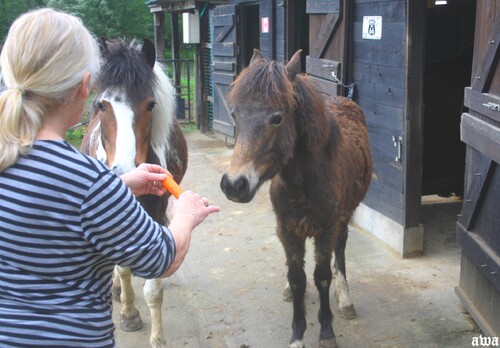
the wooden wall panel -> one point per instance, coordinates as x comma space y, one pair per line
487, 11
478, 232
280, 32
379, 67
334, 49
267, 40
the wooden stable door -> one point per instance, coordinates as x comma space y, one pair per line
225, 63
478, 225
327, 44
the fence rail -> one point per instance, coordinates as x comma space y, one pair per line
179, 72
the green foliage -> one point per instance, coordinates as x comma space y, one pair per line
188, 127
11, 9
111, 18
127, 19
74, 136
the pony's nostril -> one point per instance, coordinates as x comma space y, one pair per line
224, 183
241, 185
236, 190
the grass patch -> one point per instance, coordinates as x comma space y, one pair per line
74, 136
188, 127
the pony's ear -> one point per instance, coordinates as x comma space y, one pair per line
149, 52
293, 66
257, 56
103, 47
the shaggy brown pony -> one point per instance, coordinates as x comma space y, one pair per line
317, 155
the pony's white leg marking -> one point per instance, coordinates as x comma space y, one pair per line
153, 295
130, 318
125, 141
296, 344
346, 307
287, 293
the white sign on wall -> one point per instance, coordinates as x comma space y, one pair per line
372, 27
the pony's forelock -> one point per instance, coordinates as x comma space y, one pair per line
126, 68
267, 80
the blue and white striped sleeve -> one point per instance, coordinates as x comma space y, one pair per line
119, 228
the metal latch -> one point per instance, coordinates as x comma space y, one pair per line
398, 144
492, 106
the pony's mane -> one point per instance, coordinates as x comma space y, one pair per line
164, 111
126, 68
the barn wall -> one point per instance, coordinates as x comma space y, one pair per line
267, 39
272, 44
280, 23
389, 90
379, 68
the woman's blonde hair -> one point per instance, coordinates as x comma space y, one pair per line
44, 58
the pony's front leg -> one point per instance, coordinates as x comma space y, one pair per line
297, 281
295, 249
323, 280
153, 295
117, 286
130, 318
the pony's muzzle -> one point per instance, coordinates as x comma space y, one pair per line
236, 189
120, 169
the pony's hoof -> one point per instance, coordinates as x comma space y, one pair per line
347, 312
329, 343
158, 342
297, 344
132, 323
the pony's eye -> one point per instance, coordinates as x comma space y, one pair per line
276, 119
100, 106
151, 106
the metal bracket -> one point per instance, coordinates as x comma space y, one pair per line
398, 144
492, 106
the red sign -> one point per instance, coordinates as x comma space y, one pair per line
264, 24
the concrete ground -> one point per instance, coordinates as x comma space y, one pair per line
228, 292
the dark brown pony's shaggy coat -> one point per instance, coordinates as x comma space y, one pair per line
317, 155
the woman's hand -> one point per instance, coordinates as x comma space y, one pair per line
146, 179
193, 207
187, 213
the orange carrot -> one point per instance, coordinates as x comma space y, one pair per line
172, 187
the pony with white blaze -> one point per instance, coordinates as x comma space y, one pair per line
133, 121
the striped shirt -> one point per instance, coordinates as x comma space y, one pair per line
65, 221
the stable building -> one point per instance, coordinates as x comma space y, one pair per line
425, 74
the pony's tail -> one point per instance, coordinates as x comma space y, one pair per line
19, 124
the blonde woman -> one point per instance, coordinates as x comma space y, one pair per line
65, 219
